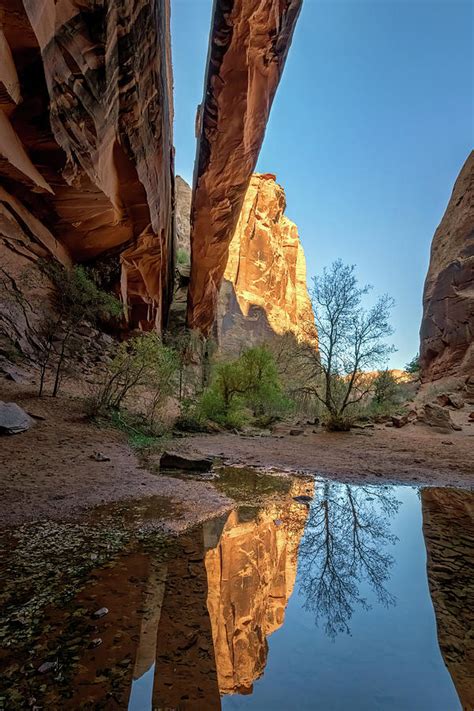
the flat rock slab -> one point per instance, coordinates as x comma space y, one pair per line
13, 419
189, 462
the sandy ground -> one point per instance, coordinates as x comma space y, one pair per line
49, 471
412, 454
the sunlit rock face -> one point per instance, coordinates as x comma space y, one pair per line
447, 329
183, 214
448, 526
264, 292
86, 139
250, 576
248, 47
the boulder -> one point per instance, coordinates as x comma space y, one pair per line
399, 420
296, 431
450, 400
13, 419
189, 462
437, 416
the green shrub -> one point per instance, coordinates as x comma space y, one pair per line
385, 388
413, 367
244, 388
182, 257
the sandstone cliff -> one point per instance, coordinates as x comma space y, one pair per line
448, 526
447, 329
183, 214
86, 141
264, 290
249, 43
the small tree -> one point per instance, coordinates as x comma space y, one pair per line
76, 298
351, 339
385, 388
413, 367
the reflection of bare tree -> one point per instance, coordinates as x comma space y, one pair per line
347, 531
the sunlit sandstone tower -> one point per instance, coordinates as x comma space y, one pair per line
264, 292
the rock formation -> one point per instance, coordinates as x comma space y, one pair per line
248, 48
86, 141
448, 527
183, 214
263, 293
264, 290
447, 329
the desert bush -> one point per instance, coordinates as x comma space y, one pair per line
142, 362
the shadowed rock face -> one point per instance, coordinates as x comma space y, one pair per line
264, 291
86, 138
448, 525
248, 48
447, 329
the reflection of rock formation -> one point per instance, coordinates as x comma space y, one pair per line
264, 291
248, 48
447, 329
250, 575
186, 622
448, 527
185, 669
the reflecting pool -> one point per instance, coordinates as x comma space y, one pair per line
321, 596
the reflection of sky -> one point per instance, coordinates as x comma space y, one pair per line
390, 661
142, 691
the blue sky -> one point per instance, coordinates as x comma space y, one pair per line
371, 124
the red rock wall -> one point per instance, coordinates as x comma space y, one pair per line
447, 329
86, 135
248, 48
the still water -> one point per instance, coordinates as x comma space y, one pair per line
345, 597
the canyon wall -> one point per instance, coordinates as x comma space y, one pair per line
447, 329
448, 527
86, 147
248, 47
264, 291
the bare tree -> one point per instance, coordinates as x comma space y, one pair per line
351, 339
345, 545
